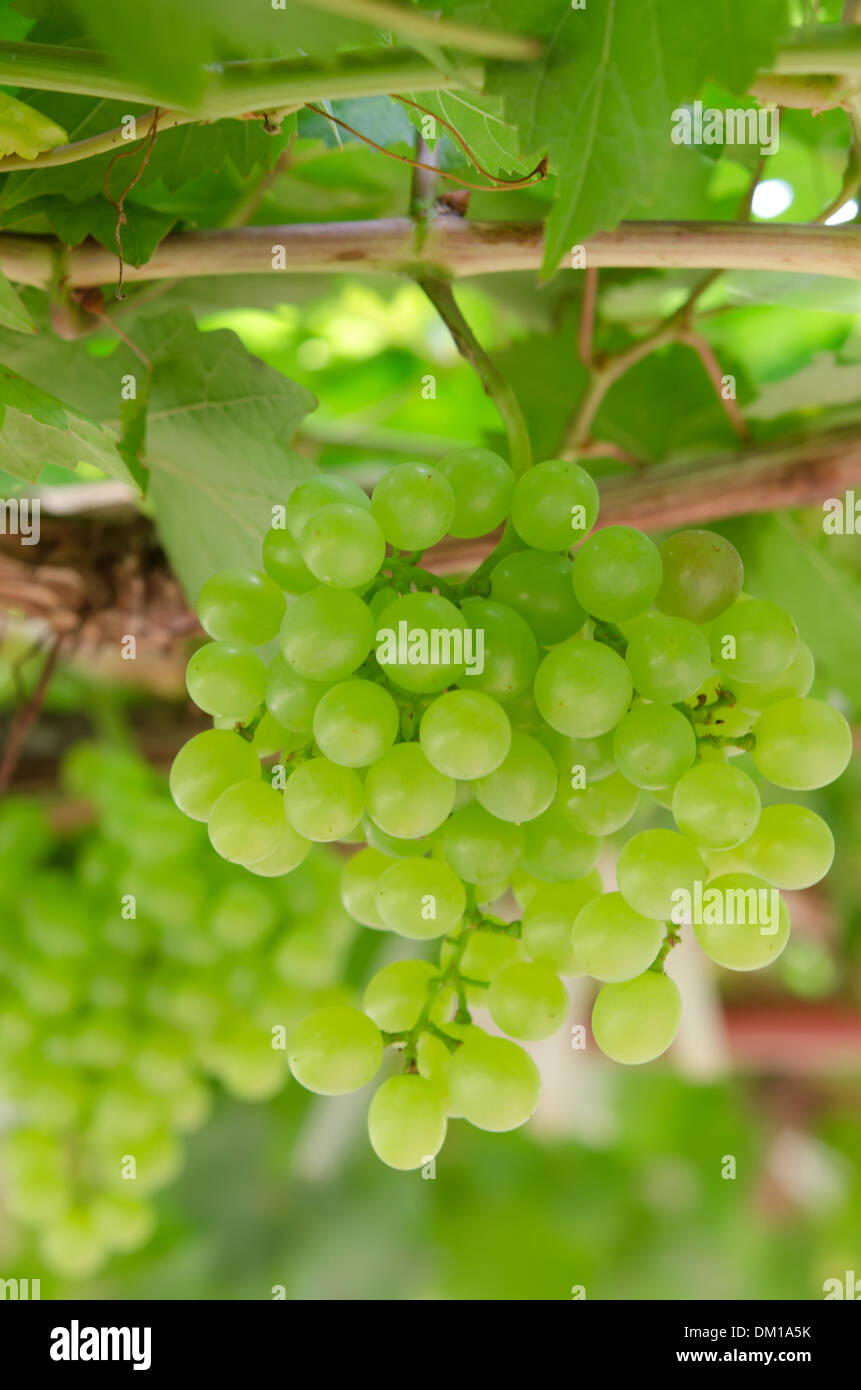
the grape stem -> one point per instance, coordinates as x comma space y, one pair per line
248, 729
671, 939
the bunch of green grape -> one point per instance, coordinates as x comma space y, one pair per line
136, 976
490, 736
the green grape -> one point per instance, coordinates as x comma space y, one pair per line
791, 847
123, 1223
355, 723
538, 586
478, 846
381, 599
310, 497
246, 822
746, 933
485, 954
289, 851
611, 941
323, 800
554, 504
528, 1000
524, 784
655, 865
241, 1055
268, 736
396, 995
617, 573
326, 634
582, 688
421, 642
635, 1021
754, 640
654, 745
432, 1058
406, 1122
523, 714
241, 606
419, 898
282, 561
591, 759
244, 913
393, 846
802, 744
548, 916
482, 484
555, 851
493, 1083
414, 505
716, 805
74, 1246
795, 681
334, 1050
227, 679
702, 575
290, 698
405, 796
600, 808
465, 734
668, 658
509, 649
343, 545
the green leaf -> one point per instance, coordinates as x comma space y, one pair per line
12, 312
39, 429
219, 425
479, 120
141, 231
25, 131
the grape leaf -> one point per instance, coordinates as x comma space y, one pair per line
12, 312
218, 428
39, 429
141, 232
479, 120
25, 131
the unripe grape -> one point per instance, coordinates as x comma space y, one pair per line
359, 878
326, 634
523, 785
355, 722
241, 606
342, 545
600, 808
323, 490
287, 855
282, 561
406, 1122
716, 805
554, 850
508, 645
482, 484
791, 847
668, 658
246, 822
617, 573
465, 734
493, 1083
747, 937
206, 766
414, 505
582, 688
478, 846
655, 865
538, 586
405, 796
636, 1021
322, 800
420, 642
290, 698
420, 898
226, 678
334, 1050
802, 744
527, 1000
654, 745
795, 681
548, 916
395, 997
754, 640
611, 941
554, 504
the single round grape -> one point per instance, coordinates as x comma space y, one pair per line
419, 898
617, 573
206, 766
524, 784
482, 484
334, 1050
716, 805
635, 1021
554, 850
538, 586
414, 505
612, 942
355, 723
227, 679
754, 640
802, 744
528, 1000
791, 847
241, 606
668, 658
405, 796
395, 997
245, 824
485, 954
654, 745
406, 1122
654, 866
600, 808
465, 734
702, 575
478, 846
554, 504
326, 634
746, 933
507, 646
282, 561
493, 1083
582, 688
578, 758
795, 681
359, 878
291, 698
310, 497
343, 545
290, 849
322, 800
420, 642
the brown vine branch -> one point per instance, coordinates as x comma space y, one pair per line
27, 715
